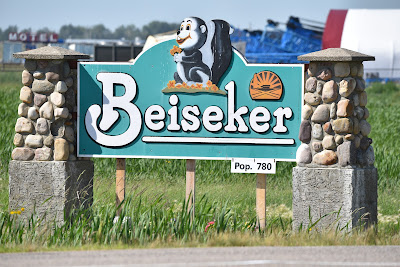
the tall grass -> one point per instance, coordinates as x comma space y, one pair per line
384, 106
141, 221
9, 97
156, 222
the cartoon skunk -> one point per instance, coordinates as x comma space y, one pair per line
207, 51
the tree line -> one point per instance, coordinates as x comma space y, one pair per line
99, 31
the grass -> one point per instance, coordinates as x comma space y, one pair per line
156, 222
384, 107
155, 197
384, 104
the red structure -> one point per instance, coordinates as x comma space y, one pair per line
332, 36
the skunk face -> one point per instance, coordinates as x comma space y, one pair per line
192, 33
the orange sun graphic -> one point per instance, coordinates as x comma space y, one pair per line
266, 85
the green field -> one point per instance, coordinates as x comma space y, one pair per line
156, 189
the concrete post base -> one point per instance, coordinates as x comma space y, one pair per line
50, 189
321, 191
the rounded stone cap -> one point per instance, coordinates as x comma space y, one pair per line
335, 54
51, 52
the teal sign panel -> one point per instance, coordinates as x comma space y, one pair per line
167, 105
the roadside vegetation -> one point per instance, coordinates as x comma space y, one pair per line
225, 214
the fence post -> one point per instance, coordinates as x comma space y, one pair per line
335, 162
45, 173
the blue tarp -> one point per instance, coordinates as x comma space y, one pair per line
276, 46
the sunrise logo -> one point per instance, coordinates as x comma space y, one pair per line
266, 85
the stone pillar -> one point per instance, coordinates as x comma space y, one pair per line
45, 174
335, 161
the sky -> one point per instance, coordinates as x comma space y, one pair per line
249, 14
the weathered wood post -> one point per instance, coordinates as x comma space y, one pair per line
261, 198
335, 162
120, 184
45, 175
190, 184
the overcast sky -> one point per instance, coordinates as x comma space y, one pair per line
243, 14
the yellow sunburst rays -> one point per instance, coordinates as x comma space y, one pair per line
266, 85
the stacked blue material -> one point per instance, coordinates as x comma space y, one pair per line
276, 46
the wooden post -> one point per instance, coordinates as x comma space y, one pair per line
120, 184
260, 198
190, 183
